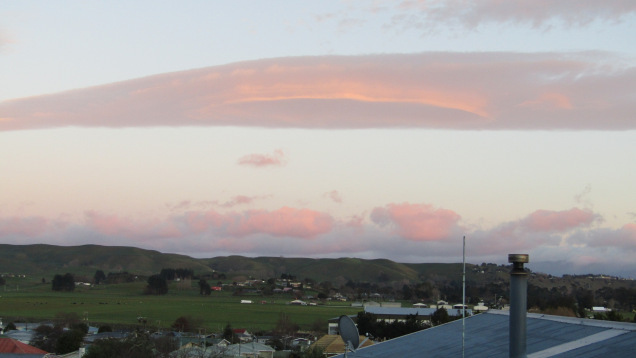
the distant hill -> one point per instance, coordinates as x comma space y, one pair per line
44, 261
47, 260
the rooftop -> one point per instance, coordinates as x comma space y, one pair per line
486, 336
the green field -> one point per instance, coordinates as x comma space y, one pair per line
121, 304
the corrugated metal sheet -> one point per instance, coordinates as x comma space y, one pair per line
403, 311
487, 337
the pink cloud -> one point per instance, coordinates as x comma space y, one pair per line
114, 225
558, 221
292, 222
541, 228
262, 160
239, 200
304, 223
429, 90
24, 226
623, 238
419, 222
198, 205
335, 196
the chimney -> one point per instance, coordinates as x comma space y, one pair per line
518, 305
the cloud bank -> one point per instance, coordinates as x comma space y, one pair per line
464, 91
563, 240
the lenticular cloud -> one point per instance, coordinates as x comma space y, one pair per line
466, 91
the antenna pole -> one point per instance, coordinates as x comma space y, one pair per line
463, 293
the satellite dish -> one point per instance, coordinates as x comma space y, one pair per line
349, 333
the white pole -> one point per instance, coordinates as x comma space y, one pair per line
463, 294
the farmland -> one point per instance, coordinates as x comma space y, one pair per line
122, 304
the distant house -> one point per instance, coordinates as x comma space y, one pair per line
250, 350
221, 342
298, 303
420, 305
246, 301
481, 307
600, 309
243, 335
21, 336
11, 347
333, 344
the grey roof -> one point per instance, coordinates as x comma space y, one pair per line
404, 311
487, 336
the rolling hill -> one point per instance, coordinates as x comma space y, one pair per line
47, 260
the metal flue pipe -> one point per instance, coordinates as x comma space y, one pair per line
518, 305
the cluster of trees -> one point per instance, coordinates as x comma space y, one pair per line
113, 277
2, 281
368, 323
119, 277
172, 274
138, 345
157, 285
65, 336
64, 282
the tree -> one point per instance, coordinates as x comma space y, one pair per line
313, 352
10, 327
284, 325
228, 334
99, 277
46, 337
186, 324
67, 319
156, 285
69, 341
204, 287
2, 281
64, 282
440, 316
103, 329
137, 345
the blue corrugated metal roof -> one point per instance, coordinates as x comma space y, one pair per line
487, 336
403, 311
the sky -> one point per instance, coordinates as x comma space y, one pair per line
370, 129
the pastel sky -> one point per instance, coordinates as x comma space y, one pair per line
371, 129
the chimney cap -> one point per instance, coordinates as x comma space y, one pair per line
518, 258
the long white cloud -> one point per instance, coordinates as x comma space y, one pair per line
466, 91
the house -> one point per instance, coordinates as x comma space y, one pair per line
298, 303
333, 344
487, 335
9, 347
249, 350
220, 342
481, 307
243, 335
21, 336
420, 305
301, 342
599, 309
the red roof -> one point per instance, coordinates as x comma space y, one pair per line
239, 330
9, 345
